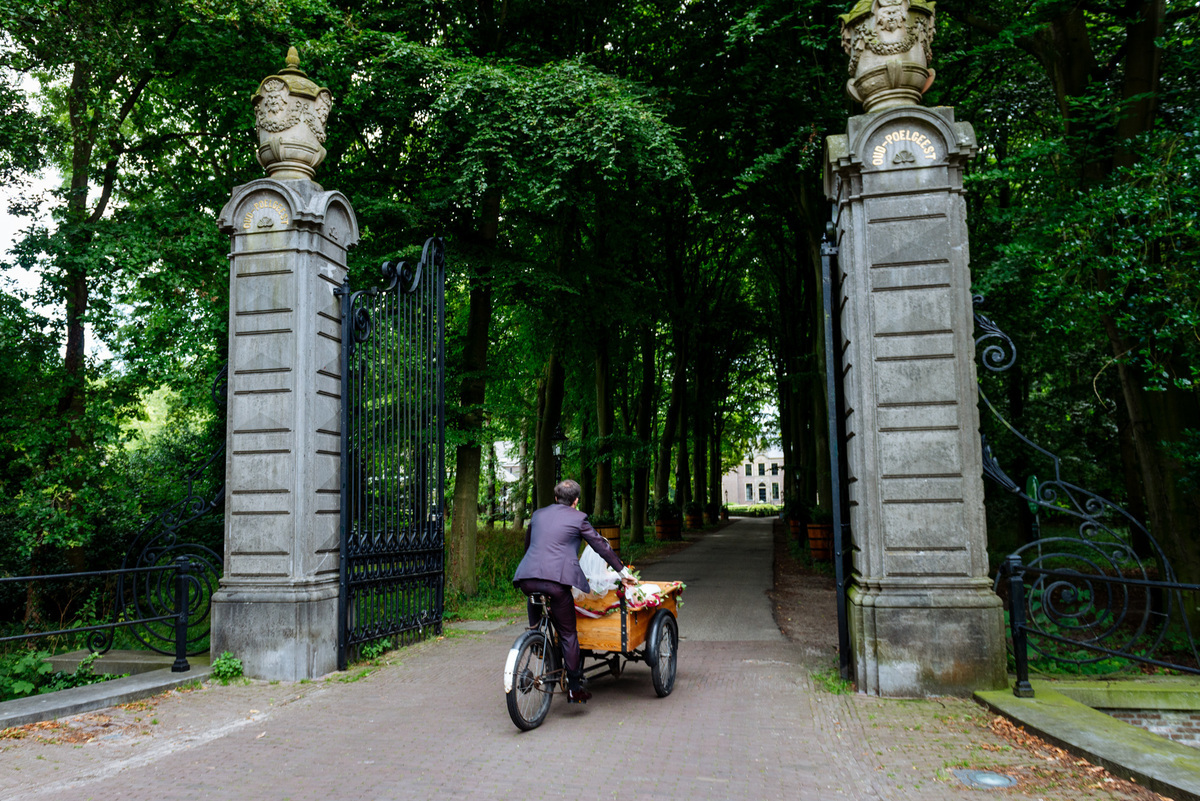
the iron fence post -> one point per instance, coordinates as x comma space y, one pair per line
439, 262
837, 456
183, 566
1016, 622
346, 298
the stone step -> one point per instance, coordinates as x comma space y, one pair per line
64, 703
121, 662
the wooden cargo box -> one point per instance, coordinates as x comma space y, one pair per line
623, 630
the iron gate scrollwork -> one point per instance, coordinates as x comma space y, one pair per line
162, 592
393, 455
1087, 597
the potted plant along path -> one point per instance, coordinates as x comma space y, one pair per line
820, 535
797, 515
667, 520
606, 526
694, 514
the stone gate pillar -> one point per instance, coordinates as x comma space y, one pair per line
276, 608
923, 617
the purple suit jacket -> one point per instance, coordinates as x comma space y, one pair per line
552, 546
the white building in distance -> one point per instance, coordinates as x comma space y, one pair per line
757, 480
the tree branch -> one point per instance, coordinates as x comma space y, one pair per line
1182, 13
131, 101
110, 176
1027, 43
110, 167
153, 141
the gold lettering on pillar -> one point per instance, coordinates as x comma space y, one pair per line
266, 219
903, 141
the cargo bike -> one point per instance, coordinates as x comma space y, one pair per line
621, 632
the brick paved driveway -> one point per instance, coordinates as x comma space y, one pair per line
747, 720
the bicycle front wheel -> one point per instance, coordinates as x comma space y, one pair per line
529, 680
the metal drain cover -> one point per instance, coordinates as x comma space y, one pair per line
984, 779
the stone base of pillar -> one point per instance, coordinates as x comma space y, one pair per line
284, 632
926, 641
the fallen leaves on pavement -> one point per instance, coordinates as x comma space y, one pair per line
74, 730
1057, 765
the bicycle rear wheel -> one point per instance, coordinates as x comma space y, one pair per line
662, 652
529, 676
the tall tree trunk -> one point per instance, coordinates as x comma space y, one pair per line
604, 429
700, 438
666, 445
1135, 502
1070, 62
683, 477
623, 468
464, 523
714, 465
522, 491
645, 410
491, 487
587, 473
537, 422
789, 441
1143, 64
819, 484
683, 489
1152, 486
72, 402
1159, 418
551, 417
74, 287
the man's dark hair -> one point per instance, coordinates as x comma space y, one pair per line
567, 492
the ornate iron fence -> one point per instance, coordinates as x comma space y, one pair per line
172, 596
393, 462
1093, 596
1081, 618
160, 543
163, 588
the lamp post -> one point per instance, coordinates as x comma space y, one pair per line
559, 438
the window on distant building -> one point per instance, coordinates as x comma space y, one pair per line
774, 469
762, 468
774, 492
749, 492
762, 493
749, 469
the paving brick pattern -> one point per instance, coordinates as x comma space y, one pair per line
746, 720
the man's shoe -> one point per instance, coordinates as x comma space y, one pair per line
579, 696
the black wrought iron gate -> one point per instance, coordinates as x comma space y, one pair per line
393, 455
1105, 590
835, 346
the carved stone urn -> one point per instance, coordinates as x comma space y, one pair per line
290, 113
888, 44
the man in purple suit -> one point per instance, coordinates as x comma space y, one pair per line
551, 567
